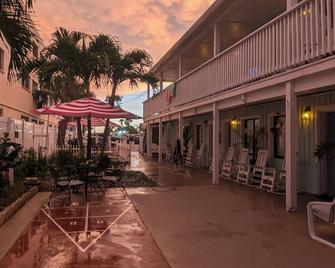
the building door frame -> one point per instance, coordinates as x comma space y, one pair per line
321, 137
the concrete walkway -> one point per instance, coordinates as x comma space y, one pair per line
12, 229
229, 225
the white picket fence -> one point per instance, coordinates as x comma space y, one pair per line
30, 135
121, 150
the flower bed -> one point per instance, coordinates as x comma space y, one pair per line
9, 211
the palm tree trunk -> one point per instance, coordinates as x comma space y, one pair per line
80, 137
106, 131
89, 137
62, 125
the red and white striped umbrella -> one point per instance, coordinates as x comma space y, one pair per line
88, 107
95, 122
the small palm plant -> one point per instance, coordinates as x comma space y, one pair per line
9, 156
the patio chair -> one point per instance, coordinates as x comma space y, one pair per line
200, 155
63, 183
252, 174
326, 212
230, 168
274, 180
111, 179
227, 164
188, 159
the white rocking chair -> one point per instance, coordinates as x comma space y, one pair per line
249, 174
324, 211
200, 154
188, 159
229, 168
274, 180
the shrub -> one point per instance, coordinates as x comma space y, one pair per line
31, 165
9, 155
64, 157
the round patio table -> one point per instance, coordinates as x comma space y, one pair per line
87, 173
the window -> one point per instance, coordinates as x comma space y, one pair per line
251, 132
2, 60
199, 136
279, 135
1, 112
25, 118
25, 82
34, 121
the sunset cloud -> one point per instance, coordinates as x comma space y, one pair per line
153, 25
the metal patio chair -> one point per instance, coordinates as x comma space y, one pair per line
63, 183
326, 212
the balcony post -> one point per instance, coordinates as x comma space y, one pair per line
180, 73
180, 131
148, 91
161, 82
291, 148
217, 39
149, 141
290, 4
216, 147
160, 142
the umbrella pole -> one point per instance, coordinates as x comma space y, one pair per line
47, 137
89, 138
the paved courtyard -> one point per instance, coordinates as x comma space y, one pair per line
231, 225
101, 233
186, 222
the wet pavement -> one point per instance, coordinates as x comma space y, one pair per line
187, 222
231, 226
166, 174
101, 233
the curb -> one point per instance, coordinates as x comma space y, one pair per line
10, 210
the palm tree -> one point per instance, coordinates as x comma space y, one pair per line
59, 71
18, 33
126, 66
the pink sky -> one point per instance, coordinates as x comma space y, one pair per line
153, 25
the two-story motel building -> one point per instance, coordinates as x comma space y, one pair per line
260, 64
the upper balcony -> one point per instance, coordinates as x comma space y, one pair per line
296, 37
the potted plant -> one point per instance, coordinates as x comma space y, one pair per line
254, 142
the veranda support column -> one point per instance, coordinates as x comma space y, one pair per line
217, 39
180, 131
291, 148
161, 82
148, 90
160, 142
149, 141
216, 147
180, 71
291, 3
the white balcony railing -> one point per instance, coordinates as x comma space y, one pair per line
296, 37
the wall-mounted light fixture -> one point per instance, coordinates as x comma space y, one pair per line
233, 122
306, 113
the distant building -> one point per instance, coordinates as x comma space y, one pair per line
17, 97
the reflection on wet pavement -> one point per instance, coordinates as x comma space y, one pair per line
101, 233
166, 174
